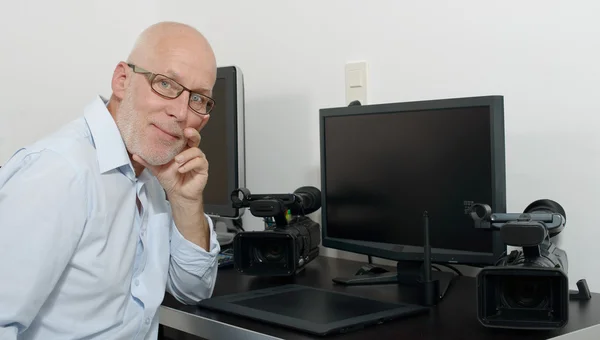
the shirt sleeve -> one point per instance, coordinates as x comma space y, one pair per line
42, 215
192, 270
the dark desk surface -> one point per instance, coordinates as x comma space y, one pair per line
454, 318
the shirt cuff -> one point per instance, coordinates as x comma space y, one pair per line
190, 256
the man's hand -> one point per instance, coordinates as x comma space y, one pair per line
184, 179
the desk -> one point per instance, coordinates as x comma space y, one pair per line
454, 318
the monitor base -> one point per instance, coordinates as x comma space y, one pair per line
408, 273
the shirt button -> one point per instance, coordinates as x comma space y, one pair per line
147, 321
137, 282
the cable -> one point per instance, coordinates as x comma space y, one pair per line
436, 268
370, 259
458, 272
237, 223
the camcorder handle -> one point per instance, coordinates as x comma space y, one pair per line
280, 207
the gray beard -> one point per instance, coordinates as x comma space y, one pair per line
129, 120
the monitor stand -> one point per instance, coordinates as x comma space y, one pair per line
408, 273
433, 285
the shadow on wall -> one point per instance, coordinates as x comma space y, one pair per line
560, 166
281, 147
282, 143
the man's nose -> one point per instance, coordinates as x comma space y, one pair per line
179, 109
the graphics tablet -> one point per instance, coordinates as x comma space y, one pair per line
312, 310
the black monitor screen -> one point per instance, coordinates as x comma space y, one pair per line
382, 171
214, 145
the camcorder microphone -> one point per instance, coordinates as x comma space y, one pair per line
309, 201
290, 239
528, 288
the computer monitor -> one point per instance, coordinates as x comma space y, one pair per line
383, 165
223, 144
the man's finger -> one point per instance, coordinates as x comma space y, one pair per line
193, 137
188, 154
197, 164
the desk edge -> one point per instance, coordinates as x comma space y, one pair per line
205, 327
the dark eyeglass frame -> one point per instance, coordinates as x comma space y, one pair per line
150, 76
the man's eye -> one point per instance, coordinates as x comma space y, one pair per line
196, 98
165, 84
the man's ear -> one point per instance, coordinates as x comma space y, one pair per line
120, 80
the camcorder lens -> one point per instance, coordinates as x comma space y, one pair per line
270, 253
531, 293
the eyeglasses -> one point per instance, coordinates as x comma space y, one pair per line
170, 89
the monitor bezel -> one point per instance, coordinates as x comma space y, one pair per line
236, 175
498, 204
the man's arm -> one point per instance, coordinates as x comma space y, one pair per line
194, 246
42, 214
194, 249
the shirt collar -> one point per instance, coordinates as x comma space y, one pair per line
107, 139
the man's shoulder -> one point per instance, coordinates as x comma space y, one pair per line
70, 146
73, 142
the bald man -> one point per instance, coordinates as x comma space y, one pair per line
102, 217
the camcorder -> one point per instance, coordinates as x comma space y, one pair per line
290, 240
527, 288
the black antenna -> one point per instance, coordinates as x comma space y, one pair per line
431, 288
427, 249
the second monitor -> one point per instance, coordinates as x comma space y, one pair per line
383, 165
223, 143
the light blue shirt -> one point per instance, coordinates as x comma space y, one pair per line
77, 258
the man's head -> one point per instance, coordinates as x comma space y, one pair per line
150, 122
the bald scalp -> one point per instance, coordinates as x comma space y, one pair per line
162, 37
173, 49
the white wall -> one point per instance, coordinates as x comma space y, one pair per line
56, 56
541, 55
